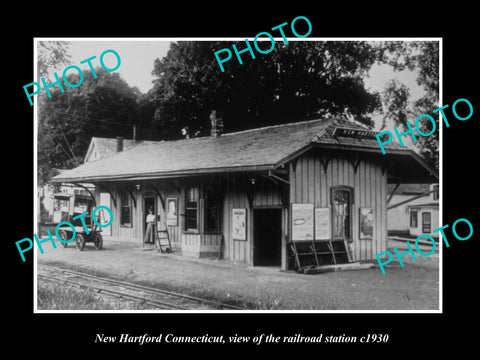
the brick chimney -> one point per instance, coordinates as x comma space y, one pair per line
216, 123
119, 143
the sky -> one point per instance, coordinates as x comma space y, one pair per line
137, 57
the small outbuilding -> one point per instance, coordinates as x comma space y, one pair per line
252, 196
413, 209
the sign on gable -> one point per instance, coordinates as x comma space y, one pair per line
356, 133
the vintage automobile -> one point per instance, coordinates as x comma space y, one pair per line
69, 206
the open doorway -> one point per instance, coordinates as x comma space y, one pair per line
267, 237
148, 203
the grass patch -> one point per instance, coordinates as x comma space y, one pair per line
54, 297
51, 296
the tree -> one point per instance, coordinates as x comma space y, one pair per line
51, 54
422, 56
103, 107
396, 96
297, 81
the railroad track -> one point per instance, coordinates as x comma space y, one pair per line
157, 298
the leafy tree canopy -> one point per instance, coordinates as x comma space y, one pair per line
51, 54
104, 107
422, 56
297, 81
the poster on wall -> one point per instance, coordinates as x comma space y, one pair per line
366, 223
239, 224
302, 222
172, 213
322, 223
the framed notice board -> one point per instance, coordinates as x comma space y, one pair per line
302, 222
172, 212
322, 223
367, 221
239, 224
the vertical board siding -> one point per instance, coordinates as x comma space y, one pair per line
310, 183
135, 232
266, 194
174, 232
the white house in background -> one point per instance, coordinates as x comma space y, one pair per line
103, 147
419, 216
423, 218
98, 149
46, 192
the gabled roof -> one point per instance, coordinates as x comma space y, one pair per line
103, 147
250, 150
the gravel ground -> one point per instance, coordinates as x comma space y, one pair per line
414, 286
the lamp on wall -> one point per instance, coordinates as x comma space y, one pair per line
252, 181
138, 186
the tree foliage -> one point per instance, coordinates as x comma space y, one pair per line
298, 81
423, 57
51, 54
396, 96
103, 107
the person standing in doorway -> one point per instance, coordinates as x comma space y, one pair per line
150, 233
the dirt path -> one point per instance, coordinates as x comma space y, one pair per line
414, 286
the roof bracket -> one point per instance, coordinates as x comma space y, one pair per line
294, 164
393, 192
355, 162
271, 179
272, 175
131, 196
111, 197
410, 199
88, 190
325, 160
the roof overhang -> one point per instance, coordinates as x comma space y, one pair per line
409, 168
403, 166
163, 175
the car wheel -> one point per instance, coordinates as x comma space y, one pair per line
80, 242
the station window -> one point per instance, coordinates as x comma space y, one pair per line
191, 208
413, 218
212, 209
426, 222
342, 209
126, 211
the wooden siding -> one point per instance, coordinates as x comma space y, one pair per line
171, 191
192, 243
265, 194
236, 250
135, 232
201, 245
310, 183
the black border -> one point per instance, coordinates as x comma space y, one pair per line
409, 333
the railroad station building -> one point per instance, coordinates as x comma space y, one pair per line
247, 196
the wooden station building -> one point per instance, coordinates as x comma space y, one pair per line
249, 195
